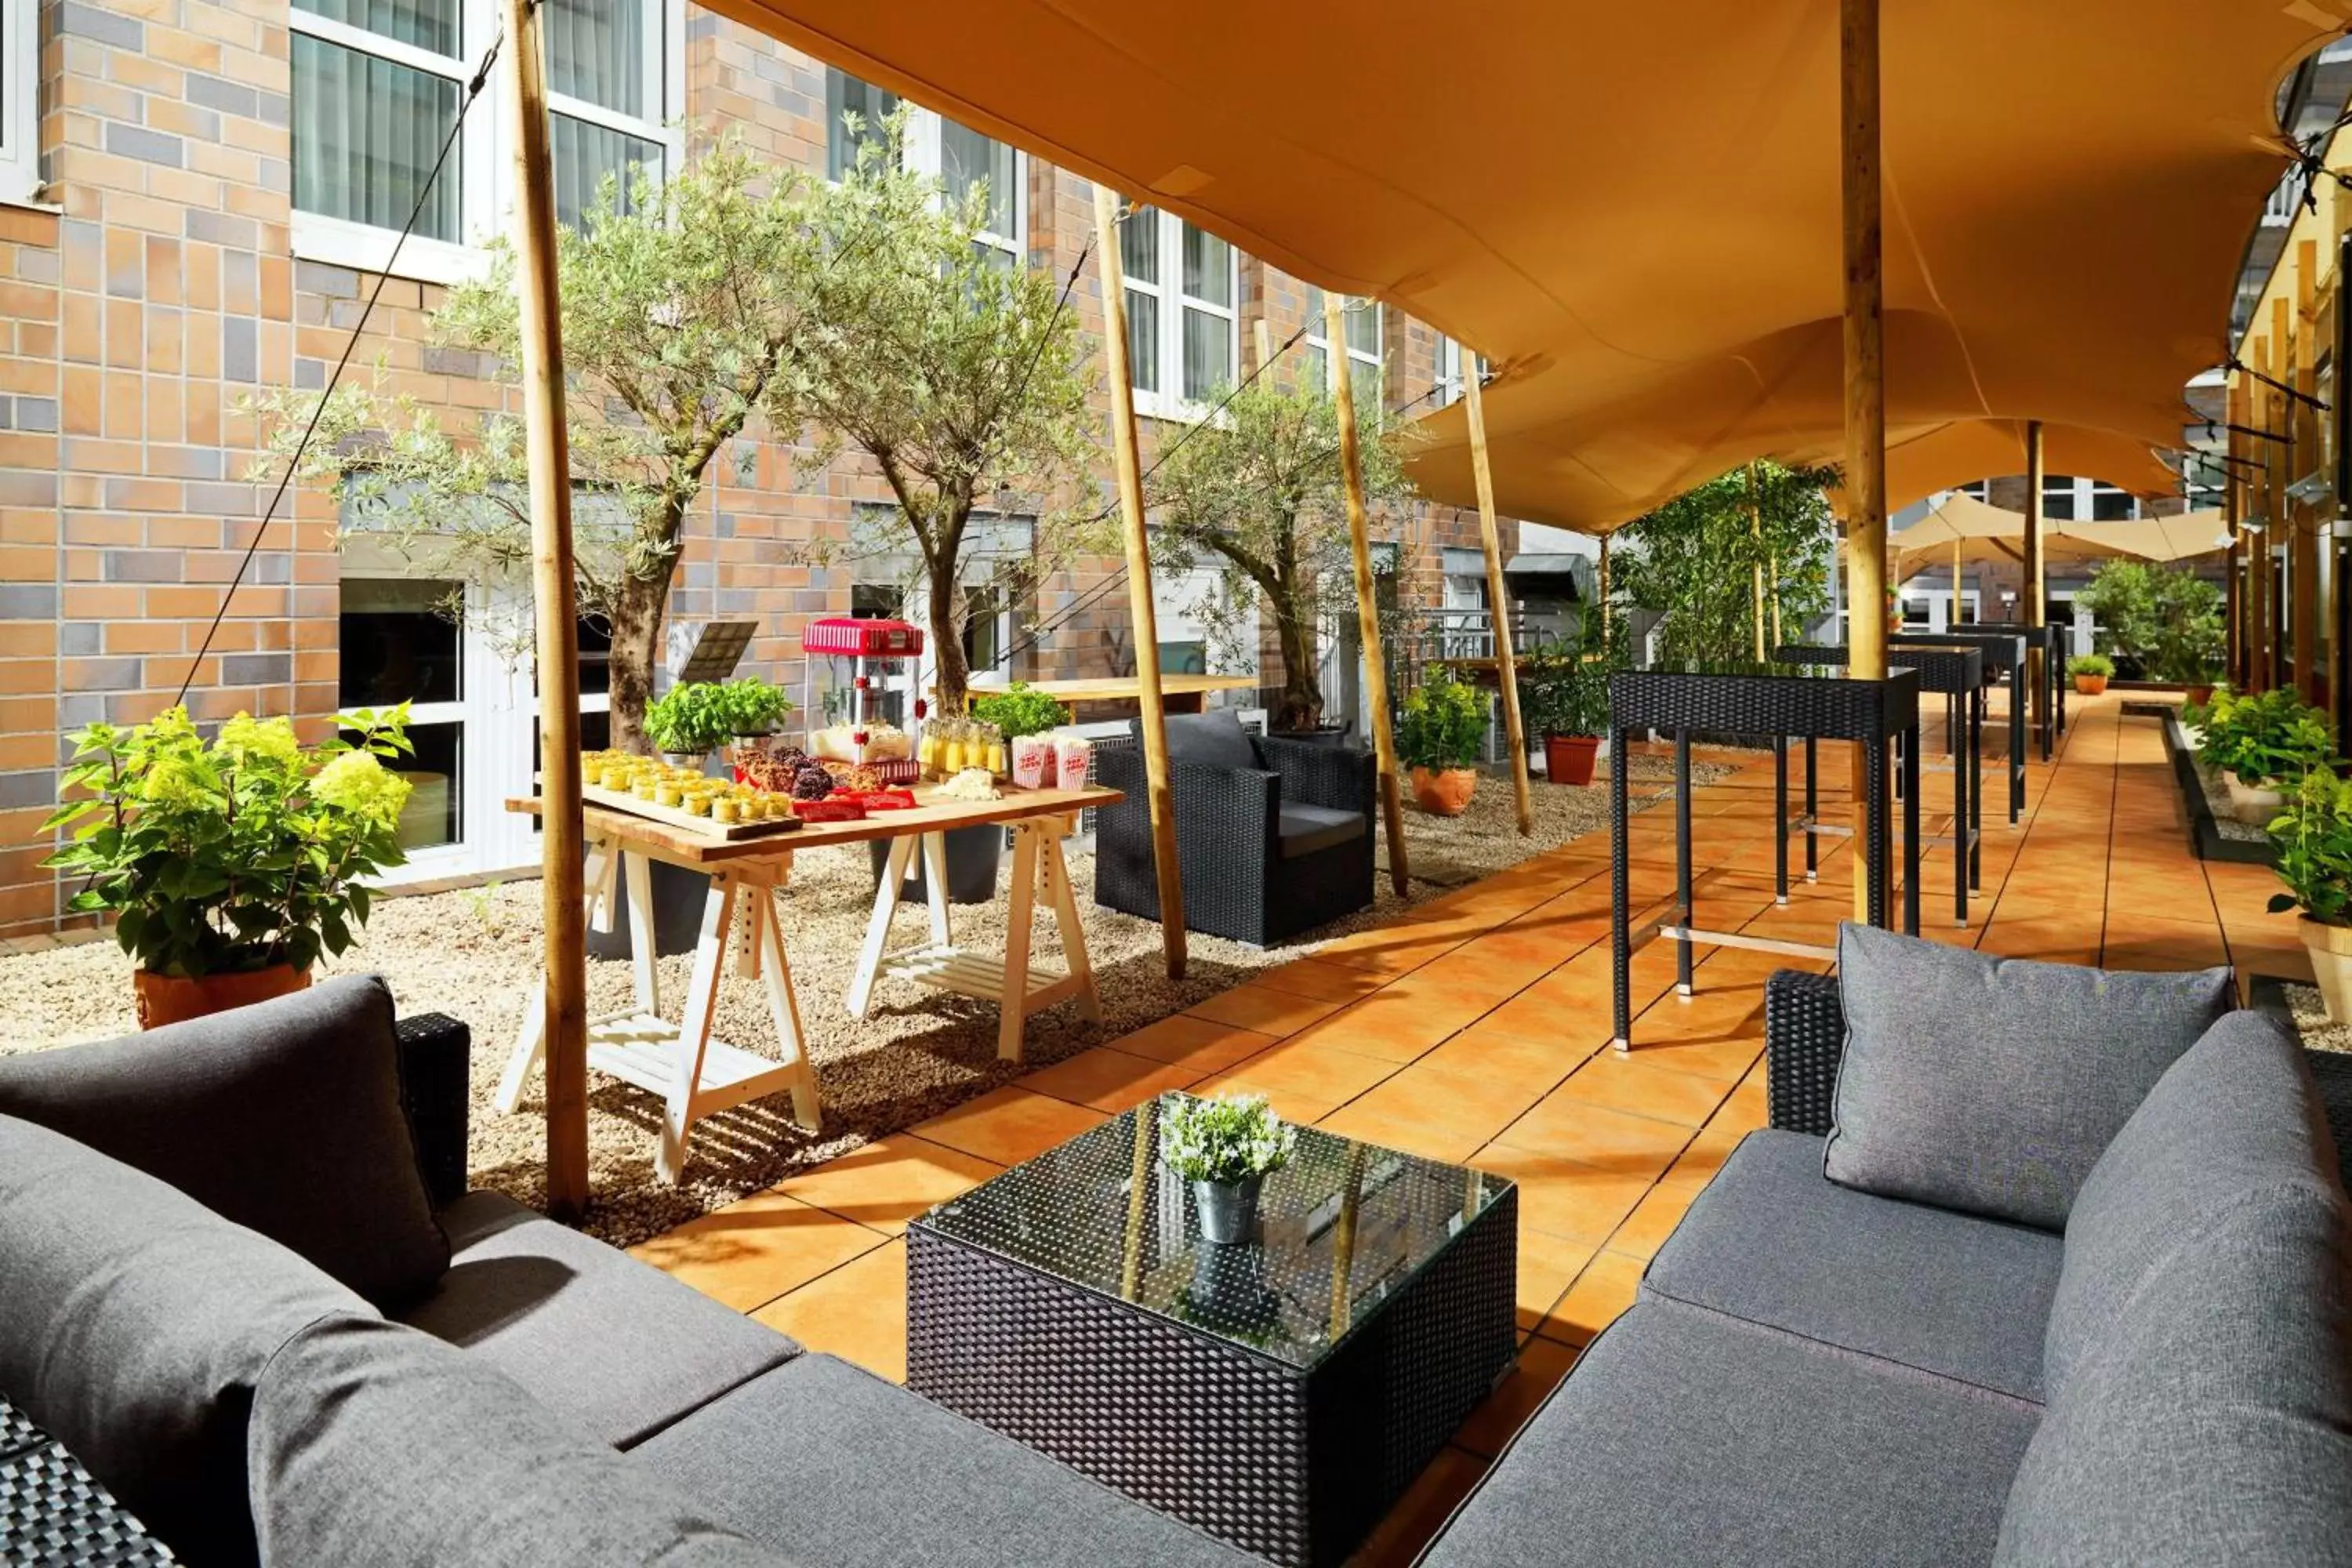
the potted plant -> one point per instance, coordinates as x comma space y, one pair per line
2314, 836
689, 721
1564, 698
1226, 1148
2262, 744
1444, 720
1017, 711
2091, 671
230, 864
753, 709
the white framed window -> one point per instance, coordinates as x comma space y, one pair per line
2068, 499
1445, 384
376, 84
20, 101
1365, 361
1183, 290
959, 158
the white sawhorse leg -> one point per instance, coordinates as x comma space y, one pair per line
1066, 918
878, 930
605, 859
1013, 1004
694, 1033
785, 1008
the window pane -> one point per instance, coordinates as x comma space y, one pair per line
430, 818
1142, 341
597, 51
966, 159
1370, 394
2113, 506
398, 642
1208, 352
1138, 245
584, 154
367, 132
2058, 499
1314, 367
845, 94
595, 661
1208, 267
427, 24
1363, 327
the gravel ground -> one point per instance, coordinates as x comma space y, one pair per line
2217, 795
2311, 1021
476, 954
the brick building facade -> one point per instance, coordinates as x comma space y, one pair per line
192, 206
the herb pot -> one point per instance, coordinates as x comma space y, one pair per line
2330, 948
2090, 685
1228, 1210
2249, 804
1443, 792
172, 998
2199, 696
1568, 759
695, 760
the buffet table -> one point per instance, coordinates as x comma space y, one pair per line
696, 1076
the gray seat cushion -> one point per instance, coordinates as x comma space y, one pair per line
2237, 1113
134, 1324
284, 1116
375, 1444
1992, 1085
1769, 1241
616, 1348
1305, 829
1214, 739
1683, 1438
2212, 1421
845, 1470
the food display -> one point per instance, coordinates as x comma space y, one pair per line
1073, 761
674, 793
812, 782
1033, 761
951, 745
861, 676
971, 783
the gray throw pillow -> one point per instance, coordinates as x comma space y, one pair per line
1992, 1085
2212, 1423
1214, 739
134, 1324
284, 1116
376, 1443
2237, 1113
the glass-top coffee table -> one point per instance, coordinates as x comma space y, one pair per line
1279, 1394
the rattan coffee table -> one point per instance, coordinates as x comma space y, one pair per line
1280, 1394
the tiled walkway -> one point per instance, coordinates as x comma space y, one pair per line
1478, 1031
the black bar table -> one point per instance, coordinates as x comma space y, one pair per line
1957, 674
2004, 654
2049, 640
1785, 701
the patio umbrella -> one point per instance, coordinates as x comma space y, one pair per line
2162, 539
1634, 211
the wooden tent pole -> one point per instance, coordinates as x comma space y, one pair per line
1507, 662
1602, 578
1959, 574
1368, 606
554, 597
1774, 563
2036, 674
1865, 375
1756, 532
1142, 613
2303, 427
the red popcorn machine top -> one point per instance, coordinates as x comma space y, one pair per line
860, 698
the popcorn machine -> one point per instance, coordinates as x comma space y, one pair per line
860, 693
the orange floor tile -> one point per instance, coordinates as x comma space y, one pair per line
1477, 1029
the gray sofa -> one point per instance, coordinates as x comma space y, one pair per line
238, 1280
2037, 1265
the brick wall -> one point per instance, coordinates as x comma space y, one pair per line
164, 290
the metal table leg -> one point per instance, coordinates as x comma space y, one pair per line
1813, 809
1911, 830
1621, 945
1686, 916
1781, 819
1876, 849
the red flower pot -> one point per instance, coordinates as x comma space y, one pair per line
1568, 759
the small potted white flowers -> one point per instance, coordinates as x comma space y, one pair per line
1225, 1148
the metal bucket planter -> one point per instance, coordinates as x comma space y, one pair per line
1228, 1210
2251, 805
973, 854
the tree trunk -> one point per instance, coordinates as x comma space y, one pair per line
1302, 690
946, 636
636, 645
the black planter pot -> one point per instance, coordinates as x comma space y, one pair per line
679, 897
972, 855
1322, 735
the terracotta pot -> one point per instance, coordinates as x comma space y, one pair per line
2199, 696
2330, 948
1446, 793
2252, 806
171, 999
2090, 685
1568, 759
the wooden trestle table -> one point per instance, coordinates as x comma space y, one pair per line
696, 1076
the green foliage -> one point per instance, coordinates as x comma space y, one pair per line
2272, 735
1229, 1139
2097, 664
2166, 620
1258, 490
235, 854
1692, 561
694, 717
1564, 690
1018, 710
961, 375
2314, 836
1445, 723
685, 317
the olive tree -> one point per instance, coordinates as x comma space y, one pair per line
685, 310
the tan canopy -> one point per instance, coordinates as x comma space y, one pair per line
1633, 209
1994, 533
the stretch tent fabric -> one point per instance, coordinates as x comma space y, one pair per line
1994, 533
1633, 210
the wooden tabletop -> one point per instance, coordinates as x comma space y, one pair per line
928, 815
1126, 688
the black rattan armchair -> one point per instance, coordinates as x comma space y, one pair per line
1268, 846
